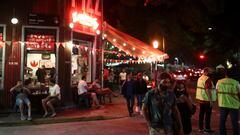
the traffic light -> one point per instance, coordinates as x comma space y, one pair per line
201, 56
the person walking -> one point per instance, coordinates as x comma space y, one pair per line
205, 96
141, 90
185, 106
122, 78
160, 109
228, 90
128, 91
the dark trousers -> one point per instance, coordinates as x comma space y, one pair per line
234, 118
205, 113
139, 100
130, 103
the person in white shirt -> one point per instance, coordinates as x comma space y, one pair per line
54, 97
83, 92
122, 78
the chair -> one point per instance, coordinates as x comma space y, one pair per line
85, 100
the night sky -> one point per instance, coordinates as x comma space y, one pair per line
184, 24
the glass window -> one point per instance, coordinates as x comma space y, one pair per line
81, 61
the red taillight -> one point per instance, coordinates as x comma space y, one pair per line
185, 75
174, 75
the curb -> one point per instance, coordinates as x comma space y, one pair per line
40, 121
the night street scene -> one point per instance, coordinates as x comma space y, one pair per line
119, 67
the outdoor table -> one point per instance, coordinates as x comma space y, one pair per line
36, 96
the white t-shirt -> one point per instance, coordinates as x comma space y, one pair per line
123, 76
81, 87
54, 90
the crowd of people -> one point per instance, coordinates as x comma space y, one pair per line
167, 107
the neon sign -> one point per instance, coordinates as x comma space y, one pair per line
85, 19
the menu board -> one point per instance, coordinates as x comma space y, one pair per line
40, 42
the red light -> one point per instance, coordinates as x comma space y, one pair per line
201, 56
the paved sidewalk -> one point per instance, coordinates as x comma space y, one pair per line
116, 109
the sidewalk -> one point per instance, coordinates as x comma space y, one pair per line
114, 110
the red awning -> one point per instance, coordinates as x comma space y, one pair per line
133, 46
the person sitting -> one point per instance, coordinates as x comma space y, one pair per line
85, 94
22, 98
53, 98
102, 91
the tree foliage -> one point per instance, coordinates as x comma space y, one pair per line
183, 24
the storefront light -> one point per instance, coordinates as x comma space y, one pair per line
71, 25
14, 20
98, 32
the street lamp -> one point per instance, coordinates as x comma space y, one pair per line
155, 44
176, 60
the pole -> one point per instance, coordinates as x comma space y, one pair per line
163, 44
103, 45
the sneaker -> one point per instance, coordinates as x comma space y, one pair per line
200, 130
53, 115
29, 118
23, 118
208, 131
45, 115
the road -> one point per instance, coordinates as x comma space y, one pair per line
123, 126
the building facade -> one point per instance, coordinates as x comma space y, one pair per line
59, 34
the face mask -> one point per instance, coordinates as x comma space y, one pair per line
163, 87
178, 93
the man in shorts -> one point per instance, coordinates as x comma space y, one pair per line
21, 93
53, 98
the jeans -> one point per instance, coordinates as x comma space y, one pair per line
139, 100
130, 103
205, 112
223, 117
153, 131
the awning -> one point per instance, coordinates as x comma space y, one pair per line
133, 46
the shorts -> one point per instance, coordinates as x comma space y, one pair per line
22, 101
53, 100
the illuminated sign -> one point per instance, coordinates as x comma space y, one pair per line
86, 20
85, 16
40, 42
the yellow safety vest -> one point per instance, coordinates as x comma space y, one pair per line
228, 93
201, 91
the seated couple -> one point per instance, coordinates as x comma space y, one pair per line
102, 91
84, 93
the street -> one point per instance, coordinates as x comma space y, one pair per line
117, 125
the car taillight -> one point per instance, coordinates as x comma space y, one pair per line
185, 75
174, 75
190, 74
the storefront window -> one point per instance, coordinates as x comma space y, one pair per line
40, 57
81, 61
